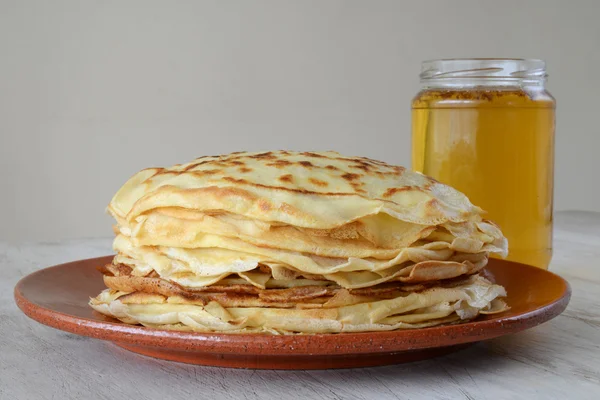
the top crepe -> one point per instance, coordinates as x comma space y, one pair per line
316, 190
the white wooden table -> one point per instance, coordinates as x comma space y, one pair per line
557, 360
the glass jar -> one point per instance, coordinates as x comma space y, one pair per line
486, 127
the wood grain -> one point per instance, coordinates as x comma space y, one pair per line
560, 359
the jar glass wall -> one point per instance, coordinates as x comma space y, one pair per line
486, 127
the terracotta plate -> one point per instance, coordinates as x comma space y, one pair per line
58, 296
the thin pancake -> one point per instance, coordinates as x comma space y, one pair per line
183, 228
431, 307
431, 261
310, 190
290, 242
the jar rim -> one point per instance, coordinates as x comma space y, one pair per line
467, 71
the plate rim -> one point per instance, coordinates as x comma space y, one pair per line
377, 342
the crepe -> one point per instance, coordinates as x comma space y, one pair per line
346, 313
274, 236
305, 189
220, 257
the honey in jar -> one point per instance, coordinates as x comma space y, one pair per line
486, 127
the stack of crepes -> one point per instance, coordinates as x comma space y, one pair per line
287, 242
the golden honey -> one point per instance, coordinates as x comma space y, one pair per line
496, 145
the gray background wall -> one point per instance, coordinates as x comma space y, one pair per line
93, 91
